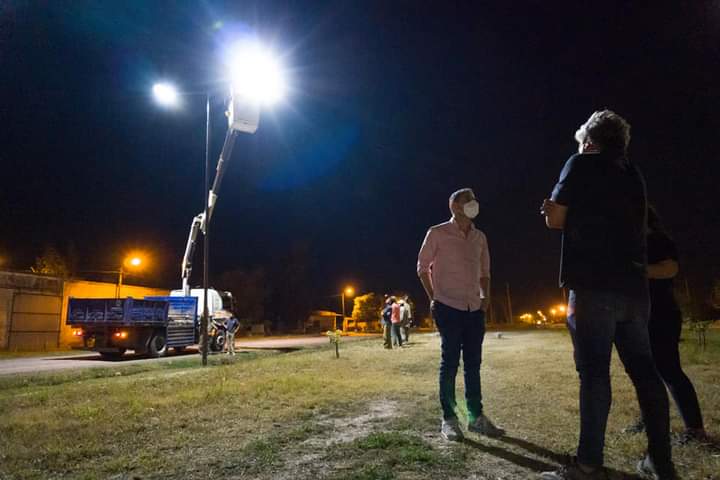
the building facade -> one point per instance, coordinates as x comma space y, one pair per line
33, 308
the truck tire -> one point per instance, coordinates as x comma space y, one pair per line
217, 342
113, 355
157, 346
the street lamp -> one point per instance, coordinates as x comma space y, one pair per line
255, 73
166, 94
132, 262
349, 292
256, 79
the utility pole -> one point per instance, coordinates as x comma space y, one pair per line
206, 240
509, 303
342, 300
120, 281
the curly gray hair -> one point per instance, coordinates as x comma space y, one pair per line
607, 130
463, 192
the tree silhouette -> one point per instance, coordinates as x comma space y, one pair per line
51, 263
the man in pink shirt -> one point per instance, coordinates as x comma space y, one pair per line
395, 320
454, 268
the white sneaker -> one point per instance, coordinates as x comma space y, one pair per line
450, 430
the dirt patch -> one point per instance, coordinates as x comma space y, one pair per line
347, 429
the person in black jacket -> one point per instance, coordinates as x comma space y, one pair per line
665, 327
599, 203
387, 323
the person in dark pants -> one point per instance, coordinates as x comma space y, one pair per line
231, 328
665, 327
600, 205
387, 323
454, 268
395, 320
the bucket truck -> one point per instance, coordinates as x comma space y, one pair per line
243, 117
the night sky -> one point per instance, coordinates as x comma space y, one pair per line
394, 104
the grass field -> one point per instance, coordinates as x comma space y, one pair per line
372, 414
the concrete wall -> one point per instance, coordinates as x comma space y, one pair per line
6, 296
29, 311
35, 321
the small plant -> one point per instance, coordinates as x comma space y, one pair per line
700, 328
335, 338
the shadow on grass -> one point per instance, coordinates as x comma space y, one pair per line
529, 462
520, 460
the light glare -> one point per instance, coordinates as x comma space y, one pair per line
166, 94
256, 74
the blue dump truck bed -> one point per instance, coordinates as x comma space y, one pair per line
181, 310
113, 325
117, 312
150, 311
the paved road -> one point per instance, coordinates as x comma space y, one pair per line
76, 360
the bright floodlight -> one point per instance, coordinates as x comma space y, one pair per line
256, 74
166, 94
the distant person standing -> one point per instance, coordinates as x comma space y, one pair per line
665, 327
386, 320
231, 327
454, 268
599, 203
396, 322
405, 319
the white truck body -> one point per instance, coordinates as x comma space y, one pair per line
215, 303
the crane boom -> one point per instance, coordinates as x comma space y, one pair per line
199, 223
242, 117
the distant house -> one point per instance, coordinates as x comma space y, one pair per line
322, 321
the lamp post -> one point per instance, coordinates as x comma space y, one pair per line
132, 262
167, 95
349, 291
206, 241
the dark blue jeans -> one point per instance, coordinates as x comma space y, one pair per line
396, 335
596, 321
460, 331
665, 329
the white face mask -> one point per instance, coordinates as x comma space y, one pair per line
471, 209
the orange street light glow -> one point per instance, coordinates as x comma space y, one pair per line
135, 260
349, 291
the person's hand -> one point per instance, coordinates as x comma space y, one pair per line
548, 206
485, 304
